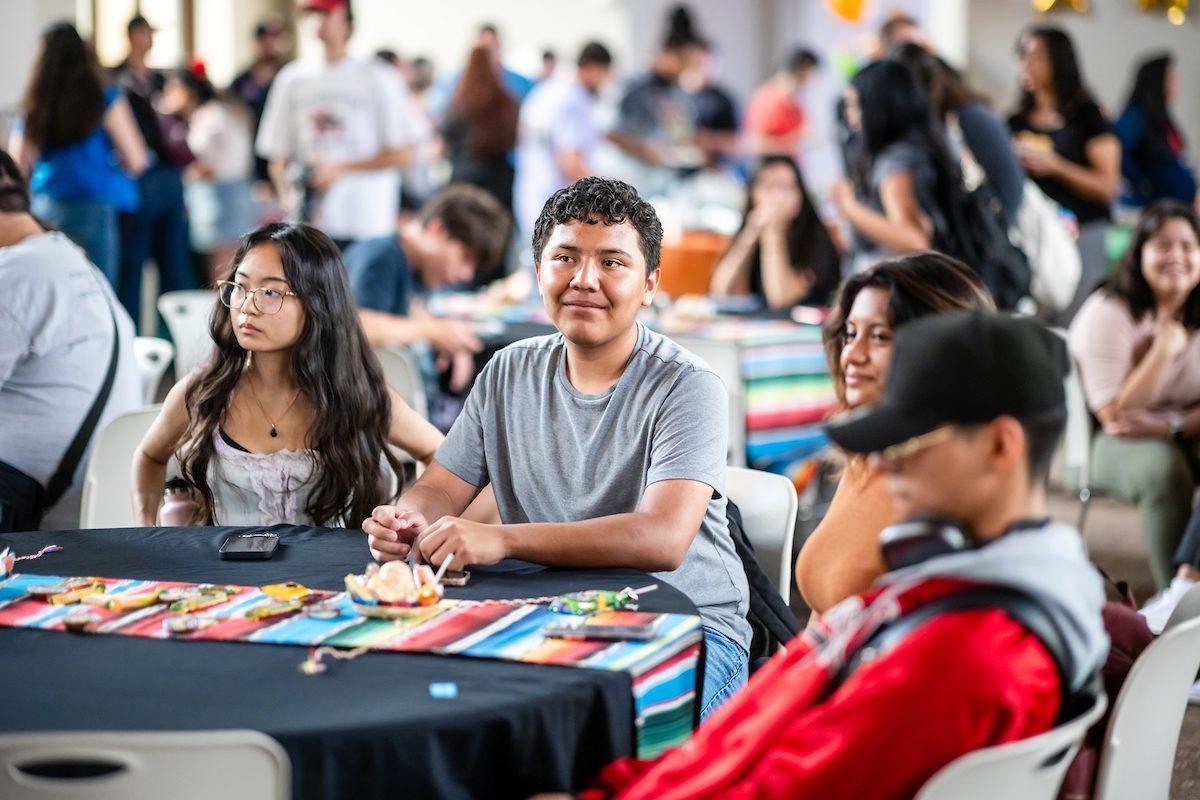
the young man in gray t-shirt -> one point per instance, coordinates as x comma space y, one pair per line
604, 443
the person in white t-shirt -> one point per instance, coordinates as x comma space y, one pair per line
336, 134
57, 324
558, 133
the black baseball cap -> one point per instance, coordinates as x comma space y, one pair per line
966, 367
139, 22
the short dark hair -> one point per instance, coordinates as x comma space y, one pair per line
594, 53
388, 56
14, 193
801, 58
1129, 284
601, 201
1041, 441
477, 220
136, 22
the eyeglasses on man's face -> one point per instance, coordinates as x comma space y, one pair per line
267, 301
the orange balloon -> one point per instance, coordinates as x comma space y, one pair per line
849, 10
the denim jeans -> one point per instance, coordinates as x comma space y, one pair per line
726, 669
158, 230
90, 224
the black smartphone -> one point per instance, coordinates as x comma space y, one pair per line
247, 546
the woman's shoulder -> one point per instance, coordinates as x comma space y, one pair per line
1103, 314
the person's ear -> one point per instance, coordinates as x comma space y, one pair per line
1008, 444
652, 280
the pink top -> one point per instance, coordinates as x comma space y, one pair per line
1107, 344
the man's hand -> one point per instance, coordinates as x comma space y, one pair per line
467, 542
451, 336
325, 175
392, 531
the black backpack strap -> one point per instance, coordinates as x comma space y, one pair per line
61, 479
766, 606
1020, 607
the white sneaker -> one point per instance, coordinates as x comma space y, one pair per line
1157, 610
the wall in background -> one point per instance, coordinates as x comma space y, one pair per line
1111, 39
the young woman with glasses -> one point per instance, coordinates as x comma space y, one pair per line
289, 420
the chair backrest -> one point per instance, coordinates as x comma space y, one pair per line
231, 765
1077, 438
768, 504
153, 356
1138, 756
186, 314
725, 360
1030, 769
106, 499
403, 374
1187, 608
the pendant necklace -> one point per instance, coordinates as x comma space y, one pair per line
274, 429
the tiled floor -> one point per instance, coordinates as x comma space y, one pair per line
1113, 538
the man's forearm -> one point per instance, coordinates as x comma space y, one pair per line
387, 330
636, 540
393, 158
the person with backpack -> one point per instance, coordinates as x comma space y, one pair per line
66, 363
986, 629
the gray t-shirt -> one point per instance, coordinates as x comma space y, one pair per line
56, 332
553, 454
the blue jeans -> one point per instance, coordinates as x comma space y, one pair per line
158, 230
726, 669
90, 224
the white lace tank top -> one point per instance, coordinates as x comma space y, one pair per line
259, 488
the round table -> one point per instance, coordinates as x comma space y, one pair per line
367, 727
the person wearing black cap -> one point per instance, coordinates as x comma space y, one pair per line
987, 628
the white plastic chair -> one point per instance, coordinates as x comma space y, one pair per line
403, 374
187, 314
1076, 453
725, 360
1187, 608
768, 504
106, 502
1031, 769
1138, 756
230, 765
153, 356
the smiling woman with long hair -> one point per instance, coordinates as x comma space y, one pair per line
289, 420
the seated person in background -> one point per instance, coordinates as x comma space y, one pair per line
460, 234
1153, 149
1137, 342
783, 252
969, 421
605, 443
56, 345
841, 557
290, 420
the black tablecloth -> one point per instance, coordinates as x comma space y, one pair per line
366, 728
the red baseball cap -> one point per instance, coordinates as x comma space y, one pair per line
323, 5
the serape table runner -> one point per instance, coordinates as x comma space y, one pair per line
663, 669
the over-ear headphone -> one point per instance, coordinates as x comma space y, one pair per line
920, 538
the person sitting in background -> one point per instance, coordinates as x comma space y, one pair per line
605, 442
783, 252
460, 236
910, 173
79, 143
1067, 146
1153, 150
774, 123
1137, 343
480, 129
66, 345
979, 128
289, 420
900, 681
841, 557
219, 203
559, 133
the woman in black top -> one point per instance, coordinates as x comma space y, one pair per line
783, 252
1063, 138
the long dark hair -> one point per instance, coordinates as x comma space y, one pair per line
917, 285
485, 106
1129, 284
943, 85
1070, 94
808, 240
895, 109
1149, 96
64, 100
332, 365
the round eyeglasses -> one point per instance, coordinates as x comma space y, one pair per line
267, 301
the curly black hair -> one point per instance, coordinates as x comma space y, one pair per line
601, 200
